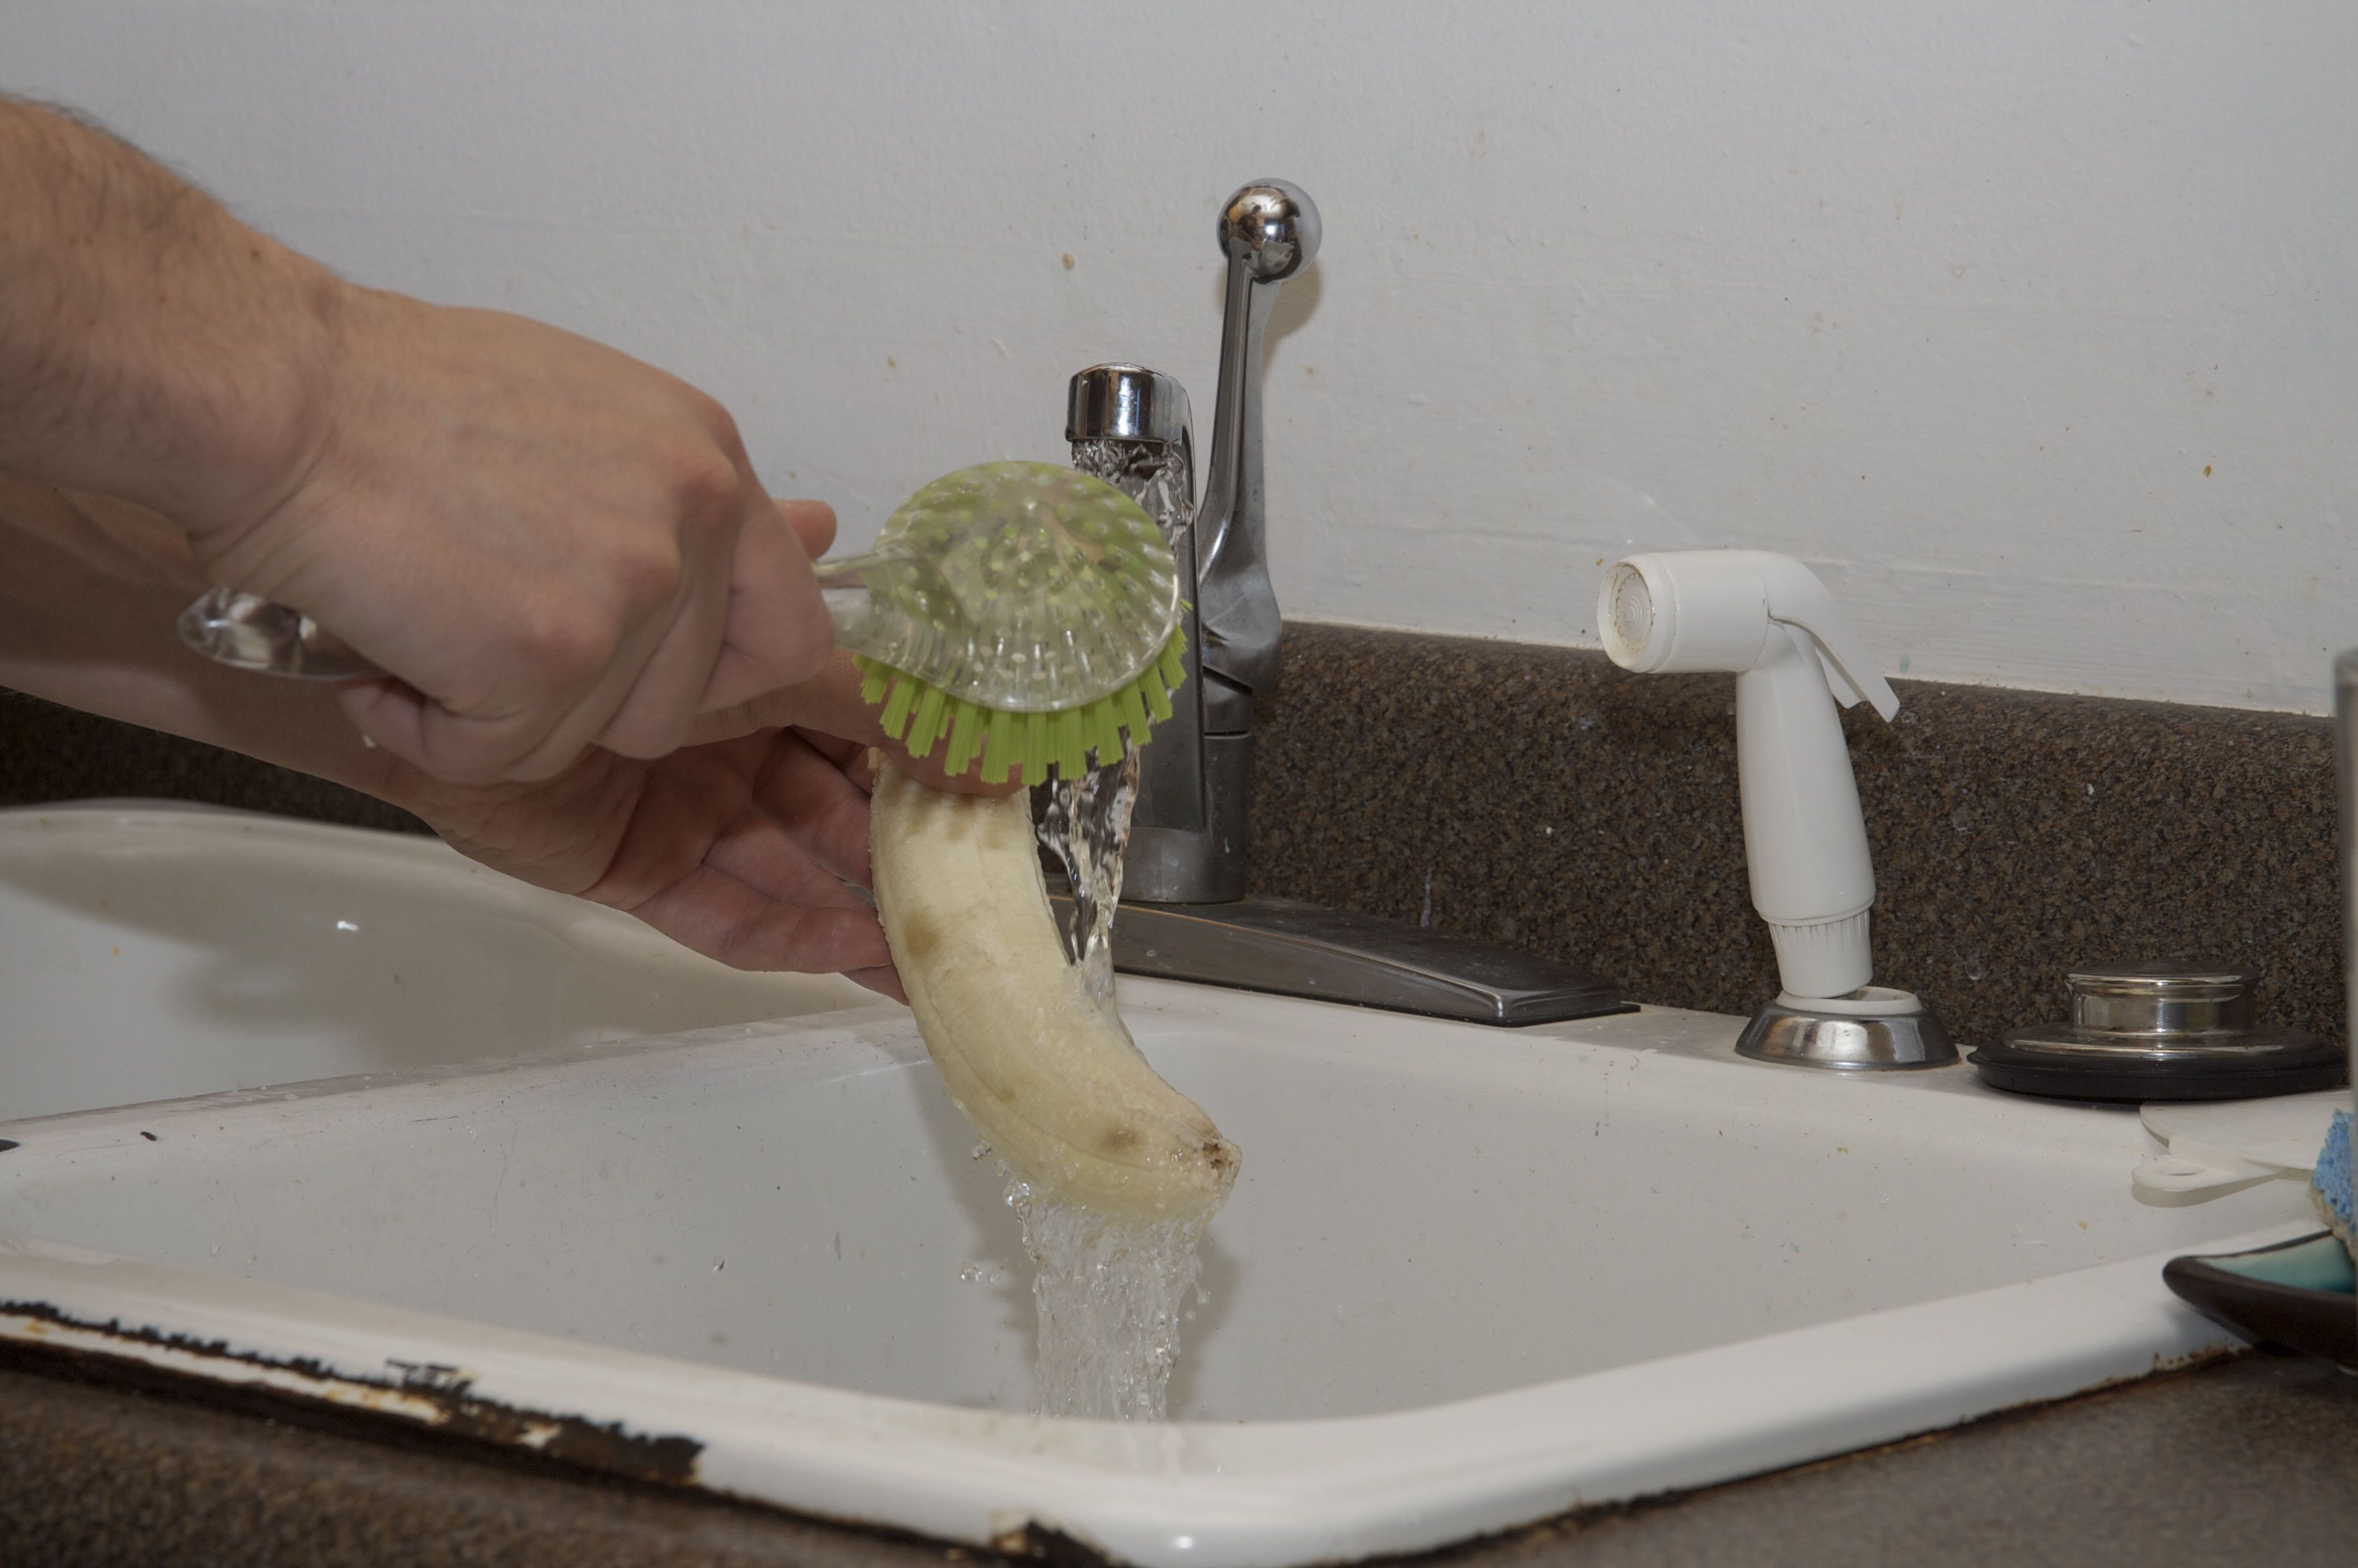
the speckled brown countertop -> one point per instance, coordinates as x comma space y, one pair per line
2252, 1461
1541, 797
1545, 799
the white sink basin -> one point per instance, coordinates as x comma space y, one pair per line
1470, 1277
149, 951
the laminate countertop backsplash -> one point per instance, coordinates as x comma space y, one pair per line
1541, 797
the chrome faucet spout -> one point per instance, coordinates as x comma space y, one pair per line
1128, 425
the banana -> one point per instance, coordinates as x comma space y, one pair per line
1045, 1070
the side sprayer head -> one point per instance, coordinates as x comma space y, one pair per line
1767, 620
1716, 610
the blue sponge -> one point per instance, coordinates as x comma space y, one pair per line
2329, 1183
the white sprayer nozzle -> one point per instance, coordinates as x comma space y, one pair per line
1768, 620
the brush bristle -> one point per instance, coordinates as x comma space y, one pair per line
919, 714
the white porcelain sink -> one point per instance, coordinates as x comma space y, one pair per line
1470, 1277
149, 951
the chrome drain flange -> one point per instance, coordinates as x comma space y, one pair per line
2160, 1030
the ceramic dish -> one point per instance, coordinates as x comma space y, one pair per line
2298, 1294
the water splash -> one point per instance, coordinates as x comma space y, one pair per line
1110, 1292
1110, 1295
1084, 824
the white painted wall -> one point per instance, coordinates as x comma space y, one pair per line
2031, 325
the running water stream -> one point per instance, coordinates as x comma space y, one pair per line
1111, 1293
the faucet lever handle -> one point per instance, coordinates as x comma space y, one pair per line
1268, 231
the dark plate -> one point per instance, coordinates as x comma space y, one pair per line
2066, 1074
2296, 1295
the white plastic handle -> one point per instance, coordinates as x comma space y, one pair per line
2176, 1176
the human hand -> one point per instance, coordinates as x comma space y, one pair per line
740, 847
553, 546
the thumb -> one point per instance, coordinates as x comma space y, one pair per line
812, 522
778, 633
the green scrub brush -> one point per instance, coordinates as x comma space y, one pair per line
1022, 613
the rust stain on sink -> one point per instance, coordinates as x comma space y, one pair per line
429, 1394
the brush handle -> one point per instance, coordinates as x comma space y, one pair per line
247, 632
1024, 588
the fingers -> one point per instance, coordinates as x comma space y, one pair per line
884, 981
828, 704
812, 522
658, 708
554, 545
816, 807
777, 632
466, 748
724, 918
705, 863
455, 747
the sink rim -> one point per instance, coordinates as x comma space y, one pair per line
1236, 1495
1271, 1492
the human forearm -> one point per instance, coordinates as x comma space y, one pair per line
733, 847
88, 589
151, 346
549, 545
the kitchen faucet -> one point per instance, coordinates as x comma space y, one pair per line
1186, 911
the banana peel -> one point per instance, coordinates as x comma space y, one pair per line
1045, 1070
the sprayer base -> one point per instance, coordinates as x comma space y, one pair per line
1876, 1029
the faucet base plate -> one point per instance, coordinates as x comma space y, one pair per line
1293, 949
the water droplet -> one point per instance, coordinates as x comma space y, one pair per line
980, 1151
